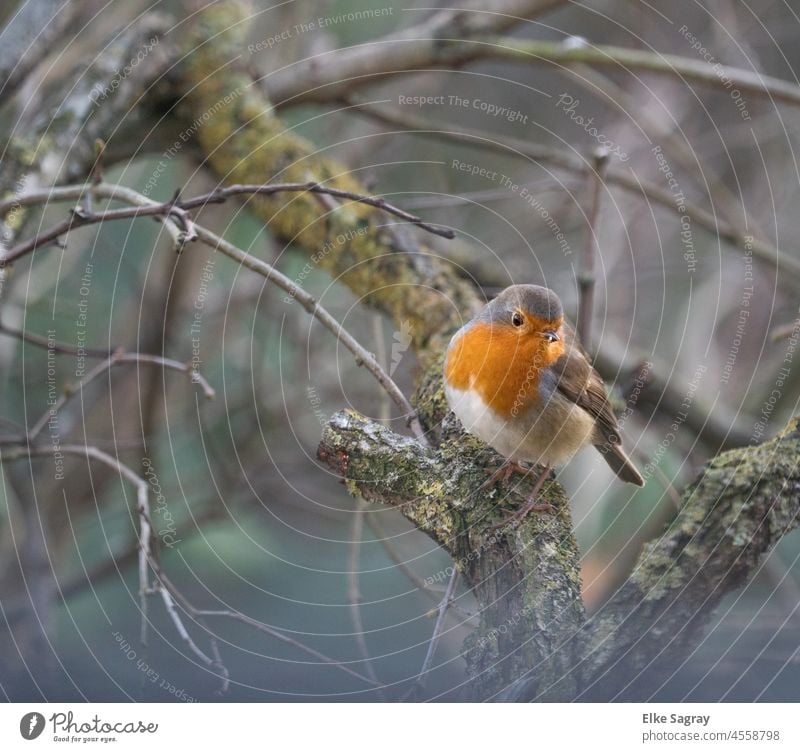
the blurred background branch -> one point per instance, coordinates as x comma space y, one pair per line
689, 226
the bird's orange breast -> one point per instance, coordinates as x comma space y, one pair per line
500, 363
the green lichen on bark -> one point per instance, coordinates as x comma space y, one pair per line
744, 501
244, 141
526, 578
533, 641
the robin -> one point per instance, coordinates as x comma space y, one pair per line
518, 379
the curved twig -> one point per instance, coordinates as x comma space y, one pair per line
116, 359
176, 210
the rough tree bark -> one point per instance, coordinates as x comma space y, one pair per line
533, 641
53, 139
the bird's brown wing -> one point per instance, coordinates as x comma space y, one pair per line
580, 383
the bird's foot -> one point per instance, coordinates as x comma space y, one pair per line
532, 504
504, 472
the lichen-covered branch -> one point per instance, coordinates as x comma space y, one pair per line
53, 138
532, 641
527, 580
745, 501
246, 142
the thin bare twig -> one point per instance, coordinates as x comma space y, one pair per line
421, 46
116, 359
215, 662
413, 577
444, 604
683, 68
142, 507
220, 665
540, 153
169, 603
57, 347
222, 194
260, 626
79, 217
146, 559
177, 210
309, 303
79, 582
354, 592
586, 279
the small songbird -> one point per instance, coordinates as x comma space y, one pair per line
518, 379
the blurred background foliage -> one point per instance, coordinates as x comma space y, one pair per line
260, 525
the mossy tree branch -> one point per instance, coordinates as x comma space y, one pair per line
527, 580
533, 641
744, 502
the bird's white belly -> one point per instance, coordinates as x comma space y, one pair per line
549, 435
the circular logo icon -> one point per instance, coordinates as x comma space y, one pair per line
31, 725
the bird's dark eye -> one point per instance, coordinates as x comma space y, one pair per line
516, 319
550, 336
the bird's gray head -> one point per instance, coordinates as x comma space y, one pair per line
528, 300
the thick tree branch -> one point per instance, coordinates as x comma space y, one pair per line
676, 66
531, 639
424, 45
546, 154
353, 241
524, 618
448, 44
745, 501
28, 37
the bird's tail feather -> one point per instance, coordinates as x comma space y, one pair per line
620, 463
